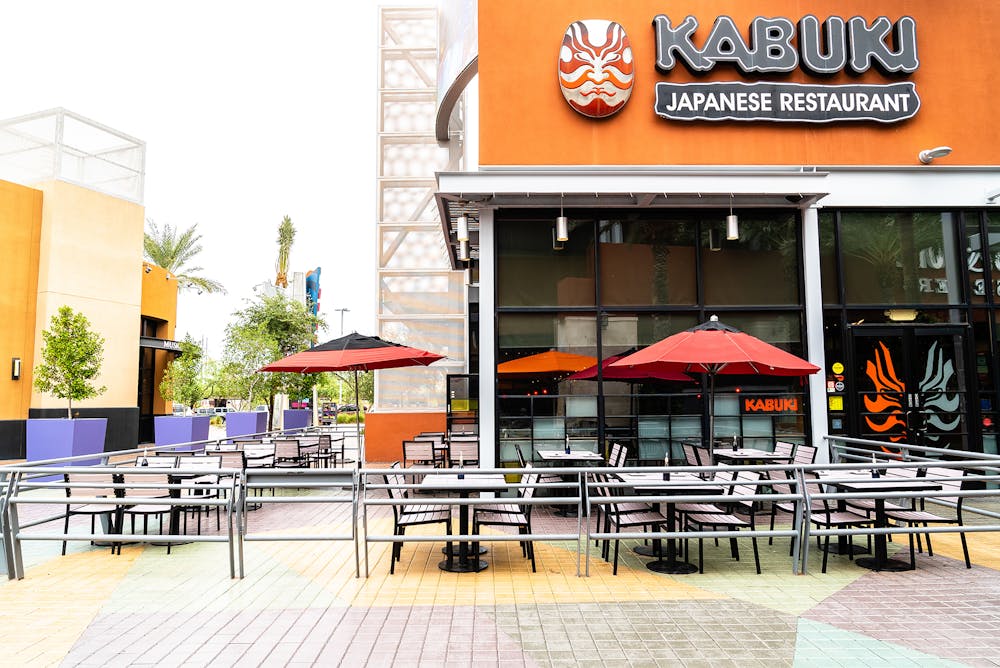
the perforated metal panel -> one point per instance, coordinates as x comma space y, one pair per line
421, 300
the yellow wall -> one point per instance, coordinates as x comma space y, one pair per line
90, 251
20, 227
159, 300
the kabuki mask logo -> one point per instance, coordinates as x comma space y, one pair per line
596, 67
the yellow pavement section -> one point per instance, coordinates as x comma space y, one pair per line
45, 613
984, 547
507, 580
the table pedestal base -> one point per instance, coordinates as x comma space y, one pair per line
835, 548
874, 564
471, 566
454, 550
646, 550
671, 567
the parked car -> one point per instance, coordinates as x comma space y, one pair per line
260, 409
180, 409
222, 410
347, 408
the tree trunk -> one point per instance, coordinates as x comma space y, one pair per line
69, 409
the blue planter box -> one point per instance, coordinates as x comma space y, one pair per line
243, 424
296, 418
171, 430
56, 438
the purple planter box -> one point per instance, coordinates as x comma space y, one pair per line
171, 430
297, 418
243, 424
56, 438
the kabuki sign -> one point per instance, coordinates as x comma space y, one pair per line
834, 46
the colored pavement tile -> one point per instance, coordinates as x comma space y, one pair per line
300, 604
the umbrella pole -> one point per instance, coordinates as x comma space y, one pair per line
711, 417
357, 421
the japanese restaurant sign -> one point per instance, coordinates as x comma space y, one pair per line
835, 46
769, 405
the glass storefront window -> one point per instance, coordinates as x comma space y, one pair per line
531, 271
761, 267
659, 248
905, 257
828, 258
983, 265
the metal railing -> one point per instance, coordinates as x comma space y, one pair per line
365, 490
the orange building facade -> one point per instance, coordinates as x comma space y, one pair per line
820, 174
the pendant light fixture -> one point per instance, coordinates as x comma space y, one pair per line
463, 228
562, 224
732, 223
463, 251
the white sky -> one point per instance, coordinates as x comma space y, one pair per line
249, 110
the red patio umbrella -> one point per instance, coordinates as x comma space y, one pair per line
354, 352
715, 348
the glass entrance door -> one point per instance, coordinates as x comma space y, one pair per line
911, 385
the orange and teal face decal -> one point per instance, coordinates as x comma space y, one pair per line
912, 414
596, 70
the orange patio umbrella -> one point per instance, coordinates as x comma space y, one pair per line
551, 362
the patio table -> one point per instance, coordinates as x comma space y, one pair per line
865, 483
679, 484
749, 456
571, 458
471, 483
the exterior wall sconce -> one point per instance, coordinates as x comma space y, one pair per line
463, 228
562, 224
463, 251
169, 276
927, 156
147, 268
15, 368
732, 222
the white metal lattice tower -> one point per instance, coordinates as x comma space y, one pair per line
421, 299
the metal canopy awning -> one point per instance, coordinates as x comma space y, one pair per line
160, 344
469, 193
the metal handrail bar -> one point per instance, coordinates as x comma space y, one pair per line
320, 479
14, 499
909, 446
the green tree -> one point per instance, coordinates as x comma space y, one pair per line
286, 235
72, 356
173, 250
182, 380
263, 332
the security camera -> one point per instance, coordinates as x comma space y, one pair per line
992, 196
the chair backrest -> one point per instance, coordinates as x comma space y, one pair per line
418, 451
690, 454
617, 455
308, 447
157, 461
286, 448
949, 486
159, 479
90, 479
703, 455
785, 449
805, 454
242, 443
520, 455
199, 462
467, 451
260, 456
233, 459
324, 441
745, 484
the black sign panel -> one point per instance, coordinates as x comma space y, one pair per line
786, 102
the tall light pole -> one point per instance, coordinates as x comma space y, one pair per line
340, 383
342, 312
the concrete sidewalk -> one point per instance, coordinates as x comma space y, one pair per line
300, 604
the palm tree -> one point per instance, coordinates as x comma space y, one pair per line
171, 249
286, 235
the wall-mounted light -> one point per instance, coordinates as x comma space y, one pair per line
463, 251
901, 314
732, 222
169, 276
714, 240
15, 368
927, 156
463, 228
147, 268
562, 223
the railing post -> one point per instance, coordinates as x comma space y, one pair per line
804, 537
14, 526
